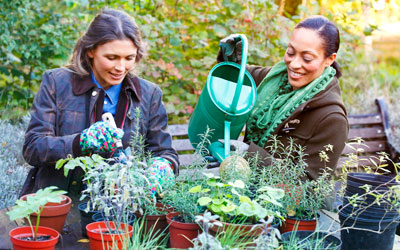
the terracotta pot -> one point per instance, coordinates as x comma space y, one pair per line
181, 234
19, 244
243, 230
98, 238
53, 214
291, 223
156, 223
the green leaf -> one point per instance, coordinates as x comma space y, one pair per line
204, 201
246, 209
245, 199
217, 201
228, 208
237, 184
195, 189
60, 163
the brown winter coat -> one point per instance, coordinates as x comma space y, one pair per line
320, 121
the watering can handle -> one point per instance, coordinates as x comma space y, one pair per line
241, 73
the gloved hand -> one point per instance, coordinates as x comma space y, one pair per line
230, 49
99, 138
160, 175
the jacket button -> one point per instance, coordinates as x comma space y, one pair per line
94, 93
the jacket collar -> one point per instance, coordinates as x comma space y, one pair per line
82, 84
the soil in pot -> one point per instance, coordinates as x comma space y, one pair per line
106, 233
311, 240
21, 238
180, 232
53, 214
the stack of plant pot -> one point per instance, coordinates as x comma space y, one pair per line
370, 221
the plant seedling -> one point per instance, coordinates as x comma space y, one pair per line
35, 204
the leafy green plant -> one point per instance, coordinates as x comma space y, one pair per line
228, 200
35, 204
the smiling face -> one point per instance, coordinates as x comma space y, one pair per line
305, 58
112, 61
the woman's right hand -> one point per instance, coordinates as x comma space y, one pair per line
99, 137
230, 49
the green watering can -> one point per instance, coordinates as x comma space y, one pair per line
224, 105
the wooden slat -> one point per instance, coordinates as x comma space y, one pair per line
364, 119
186, 159
178, 129
368, 147
182, 145
366, 133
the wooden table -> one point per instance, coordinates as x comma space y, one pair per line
71, 235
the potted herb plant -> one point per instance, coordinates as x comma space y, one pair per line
182, 226
34, 236
303, 197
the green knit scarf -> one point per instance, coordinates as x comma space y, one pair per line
276, 101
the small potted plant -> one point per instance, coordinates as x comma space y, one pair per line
182, 226
34, 236
303, 197
237, 212
53, 214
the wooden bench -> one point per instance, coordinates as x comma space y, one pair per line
372, 128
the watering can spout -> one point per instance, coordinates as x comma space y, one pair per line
224, 105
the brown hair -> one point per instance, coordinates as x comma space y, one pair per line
109, 25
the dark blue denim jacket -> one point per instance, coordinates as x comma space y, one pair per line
66, 104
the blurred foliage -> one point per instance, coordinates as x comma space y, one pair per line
182, 38
34, 36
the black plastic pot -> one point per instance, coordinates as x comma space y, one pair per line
373, 212
372, 179
86, 218
357, 236
311, 240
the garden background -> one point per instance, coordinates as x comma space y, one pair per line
182, 38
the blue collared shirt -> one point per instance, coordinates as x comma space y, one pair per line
111, 96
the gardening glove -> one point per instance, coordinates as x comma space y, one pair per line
99, 138
161, 175
230, 49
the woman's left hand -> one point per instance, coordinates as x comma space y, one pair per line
161, 175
